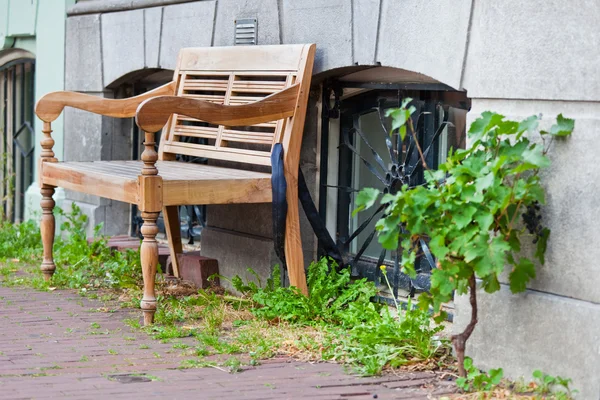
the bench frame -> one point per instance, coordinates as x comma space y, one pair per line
161, 107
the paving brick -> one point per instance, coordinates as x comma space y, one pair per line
47, 351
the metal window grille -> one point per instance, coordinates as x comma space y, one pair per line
17, 141
372, 155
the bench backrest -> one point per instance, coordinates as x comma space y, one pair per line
234, 76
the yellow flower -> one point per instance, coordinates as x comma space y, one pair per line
383, 268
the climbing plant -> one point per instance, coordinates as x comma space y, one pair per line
474, 210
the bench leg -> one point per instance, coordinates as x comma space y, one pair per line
173, 228
293, 241
149, 259
47, 227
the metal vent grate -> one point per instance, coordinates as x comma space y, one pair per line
246, 31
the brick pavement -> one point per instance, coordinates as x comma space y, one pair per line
57, 345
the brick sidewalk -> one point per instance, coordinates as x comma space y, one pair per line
51, 347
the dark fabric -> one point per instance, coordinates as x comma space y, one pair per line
280, 206
326, 243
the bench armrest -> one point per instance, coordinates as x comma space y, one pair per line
153, 114
50, 106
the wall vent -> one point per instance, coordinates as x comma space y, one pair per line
246, 31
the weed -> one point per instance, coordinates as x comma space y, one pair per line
113, 352
357, 331
180, 345
55, 366
186, 364
95, 325
477, 380
547, 384
233, 364
167, 332
84, 358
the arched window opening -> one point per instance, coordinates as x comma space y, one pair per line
359, 150
17, 138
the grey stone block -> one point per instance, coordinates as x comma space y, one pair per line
152, 28
116, 138
536, 49
122, 44
533, 330
86, 198
236, 253
325, 22
428, 37
117, 218
95, 213
185, 25
573, 199
83, 135
253, 219
113, 216
365, 20
83, 54
265, 11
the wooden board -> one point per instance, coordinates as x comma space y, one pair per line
183, 183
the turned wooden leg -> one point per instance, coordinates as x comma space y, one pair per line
293, 241
149, 258
47, 226
173, 228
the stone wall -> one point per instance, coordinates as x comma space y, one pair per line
515, 57
519, 64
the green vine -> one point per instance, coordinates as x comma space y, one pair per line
470, 211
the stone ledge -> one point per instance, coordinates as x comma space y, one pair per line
106, 6
535, 330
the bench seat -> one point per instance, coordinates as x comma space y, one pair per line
183, 183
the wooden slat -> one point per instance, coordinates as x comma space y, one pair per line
250, 58
230, 82
281, 124
213, 98
225, 153
195, 131
205, 84
257, 87
247, 137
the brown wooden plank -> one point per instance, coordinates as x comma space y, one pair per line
91, 182
153, 113
225, 153
217, 191
51, 105
250, 58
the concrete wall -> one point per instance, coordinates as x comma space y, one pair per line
520, 58
519, 64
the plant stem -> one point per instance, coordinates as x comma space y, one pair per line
459, 341
390, 287
414, 135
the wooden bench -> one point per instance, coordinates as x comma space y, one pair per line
235, 104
